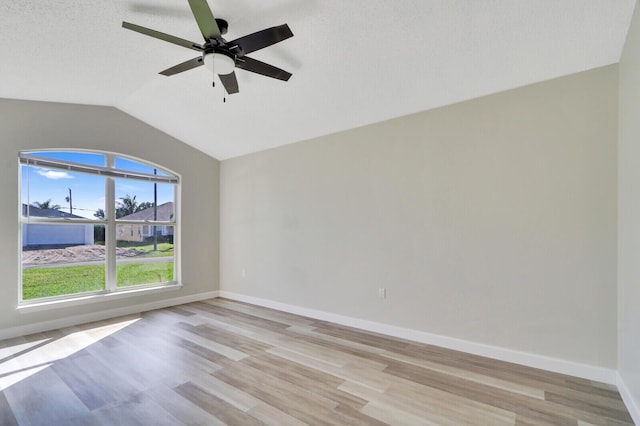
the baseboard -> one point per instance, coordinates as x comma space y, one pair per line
38, 327
556, 365
632, 406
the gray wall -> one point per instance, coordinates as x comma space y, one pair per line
38, 125
629, 213
492, 221
37, 234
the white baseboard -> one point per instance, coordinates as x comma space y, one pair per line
523, 358
38, 327
632, 406
557, 365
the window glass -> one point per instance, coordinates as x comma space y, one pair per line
62, 259
145, 254
134, 166
89, 158
55, 193
136, 199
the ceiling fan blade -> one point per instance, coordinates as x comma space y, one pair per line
261, 39
185, 66
204, 18
249, 64
162, 36
230, 82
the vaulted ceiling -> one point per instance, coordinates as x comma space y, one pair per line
353, 62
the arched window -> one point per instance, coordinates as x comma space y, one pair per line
95, 222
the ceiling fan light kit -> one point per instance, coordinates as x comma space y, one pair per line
219, 55
219, 63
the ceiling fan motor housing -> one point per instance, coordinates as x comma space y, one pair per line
223, 25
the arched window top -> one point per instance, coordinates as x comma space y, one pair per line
105, 164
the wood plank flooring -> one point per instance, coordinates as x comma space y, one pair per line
224, 362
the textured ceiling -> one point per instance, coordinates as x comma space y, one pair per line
353, 62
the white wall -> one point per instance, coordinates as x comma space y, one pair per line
493, 221
629, 215
38, 125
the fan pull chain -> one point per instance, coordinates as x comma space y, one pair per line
213, 83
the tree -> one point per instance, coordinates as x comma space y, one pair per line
99, 214
44, 205
144, 206
128, 205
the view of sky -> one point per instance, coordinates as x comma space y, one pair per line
87, 191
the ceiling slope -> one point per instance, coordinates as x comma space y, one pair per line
353, 63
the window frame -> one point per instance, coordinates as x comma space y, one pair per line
110, 174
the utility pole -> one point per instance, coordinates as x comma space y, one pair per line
70, 201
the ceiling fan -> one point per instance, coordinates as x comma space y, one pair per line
218, 54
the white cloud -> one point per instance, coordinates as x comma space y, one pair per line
52, 174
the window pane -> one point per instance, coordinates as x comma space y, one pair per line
135, 200
60, 194
144, 254
62, 259
134, 166
74, 157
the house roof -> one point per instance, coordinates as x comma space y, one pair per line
34, 211
353, 63
165, 213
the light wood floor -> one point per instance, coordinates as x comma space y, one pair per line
224, 362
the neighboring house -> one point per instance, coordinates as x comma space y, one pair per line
141, 232
43, 234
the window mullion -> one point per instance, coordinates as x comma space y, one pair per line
110, 234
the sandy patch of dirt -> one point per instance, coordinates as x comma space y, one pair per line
71, 254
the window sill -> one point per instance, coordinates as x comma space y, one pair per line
26, 307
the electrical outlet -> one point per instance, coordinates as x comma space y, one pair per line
382, 293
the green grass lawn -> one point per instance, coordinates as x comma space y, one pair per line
144, 273
47, 282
